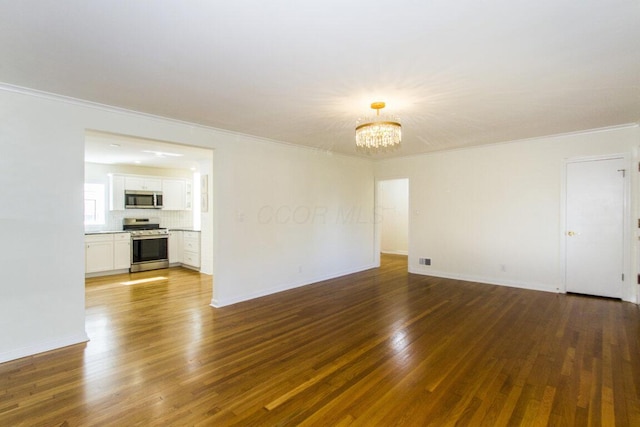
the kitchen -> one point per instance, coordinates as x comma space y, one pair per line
147, 205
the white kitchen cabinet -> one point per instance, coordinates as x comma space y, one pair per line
142, 183
184, 248
121, 251
107, 252
191, 249
191, 259
98, 253
175, 247
116, 192
173, 194
191, 241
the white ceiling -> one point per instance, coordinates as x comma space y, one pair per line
114, 149
457, 73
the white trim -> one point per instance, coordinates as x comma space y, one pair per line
595, 158
628, 292
110, 108
43, 346
218, 303
106, 273
512, 141
113, 109
485, 280
377, 232
395, 252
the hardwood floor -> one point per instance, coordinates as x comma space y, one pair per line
381, 347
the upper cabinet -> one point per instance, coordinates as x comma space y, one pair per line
173, 194
142, 183
116, 192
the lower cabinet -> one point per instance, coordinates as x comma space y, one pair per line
184, 248
107, 252
175, 247
111, 252
191, 249
98, 253
121, 251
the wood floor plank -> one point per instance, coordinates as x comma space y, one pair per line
380, 347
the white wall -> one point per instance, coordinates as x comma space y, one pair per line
476, 210
42, 251
41, 214
311, 210
392, 209
207, 244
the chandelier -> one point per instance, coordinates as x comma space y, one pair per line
378, 132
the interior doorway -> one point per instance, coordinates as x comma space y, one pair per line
596, 223
111, 153
392, 217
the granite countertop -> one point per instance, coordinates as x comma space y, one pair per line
184, 229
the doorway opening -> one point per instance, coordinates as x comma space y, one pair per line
392, 219
185, 173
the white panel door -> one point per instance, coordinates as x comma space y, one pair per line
595, 227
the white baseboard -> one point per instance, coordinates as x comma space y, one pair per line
395, 252
230, 301
485, 280
41, 347
106, 273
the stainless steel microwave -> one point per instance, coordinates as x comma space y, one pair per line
142, 199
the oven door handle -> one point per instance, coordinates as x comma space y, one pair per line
153, 236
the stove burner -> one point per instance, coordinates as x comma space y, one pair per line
157, 231
140, 223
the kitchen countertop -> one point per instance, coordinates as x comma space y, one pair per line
86, 233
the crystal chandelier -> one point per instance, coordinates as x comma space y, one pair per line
378, 132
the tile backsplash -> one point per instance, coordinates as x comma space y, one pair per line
168, 219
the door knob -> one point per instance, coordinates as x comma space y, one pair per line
571, 233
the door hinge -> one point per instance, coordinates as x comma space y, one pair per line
623, 277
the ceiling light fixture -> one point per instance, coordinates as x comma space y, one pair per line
162, 153
378, 132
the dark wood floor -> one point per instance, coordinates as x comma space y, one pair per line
381, 347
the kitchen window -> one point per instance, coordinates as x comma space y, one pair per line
94, 204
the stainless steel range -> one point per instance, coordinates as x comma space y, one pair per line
149, 244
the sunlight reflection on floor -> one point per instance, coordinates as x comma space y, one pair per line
147, 280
